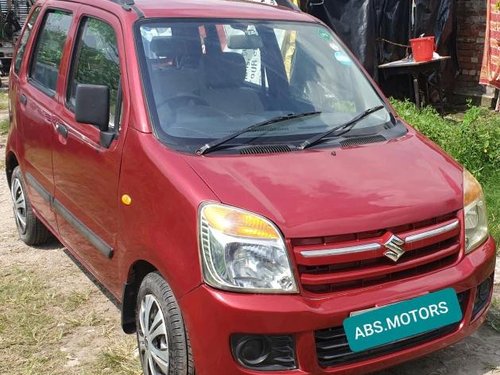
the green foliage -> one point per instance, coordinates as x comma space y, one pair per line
492, 190
473, 141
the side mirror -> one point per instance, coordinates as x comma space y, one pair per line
92, 107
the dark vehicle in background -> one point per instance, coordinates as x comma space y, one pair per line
13, 14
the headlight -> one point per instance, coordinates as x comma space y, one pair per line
476, 221
243, 252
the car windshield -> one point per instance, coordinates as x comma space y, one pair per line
207, 79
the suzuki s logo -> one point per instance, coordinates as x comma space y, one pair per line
394, 249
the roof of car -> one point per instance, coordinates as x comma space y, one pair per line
218, 9
239, 9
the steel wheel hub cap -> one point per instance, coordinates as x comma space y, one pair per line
19, 201
153, 337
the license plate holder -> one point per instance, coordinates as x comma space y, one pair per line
379, 326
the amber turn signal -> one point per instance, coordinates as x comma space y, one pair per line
239, 223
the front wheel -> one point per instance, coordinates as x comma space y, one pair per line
162, 339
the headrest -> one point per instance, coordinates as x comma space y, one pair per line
225, 70
168, 47
244, 42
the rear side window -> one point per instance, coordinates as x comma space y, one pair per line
96, 62
49, 50
25, 38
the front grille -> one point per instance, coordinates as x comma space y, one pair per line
346, 262
332, 348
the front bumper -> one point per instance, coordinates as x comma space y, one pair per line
212, 316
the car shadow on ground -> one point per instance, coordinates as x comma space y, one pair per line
52, 244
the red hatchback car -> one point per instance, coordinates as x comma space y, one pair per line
230, 174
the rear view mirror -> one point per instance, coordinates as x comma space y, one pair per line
92, 107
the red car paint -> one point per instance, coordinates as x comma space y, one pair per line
353, 190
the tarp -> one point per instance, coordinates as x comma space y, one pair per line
371, 28
490, 72
355, 22
438, 18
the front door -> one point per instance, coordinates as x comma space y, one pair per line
86, 174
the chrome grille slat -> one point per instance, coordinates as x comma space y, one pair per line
432, 233
375, 246
357, 260
344, 250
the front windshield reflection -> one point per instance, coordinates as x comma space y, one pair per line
208, 79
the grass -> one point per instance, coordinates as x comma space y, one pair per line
4, 120
4, 126
38, 323
117, 360
473, 140
492, 191
27, 325
4, 101
494, 314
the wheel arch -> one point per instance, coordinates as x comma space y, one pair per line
137, 272
11, 163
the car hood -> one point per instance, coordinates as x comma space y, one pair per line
321, 192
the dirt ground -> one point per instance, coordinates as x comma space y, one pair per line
54, 320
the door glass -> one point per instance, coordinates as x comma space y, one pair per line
97, 63
24, 39
49, 50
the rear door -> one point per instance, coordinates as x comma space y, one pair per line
34, 94
86, 174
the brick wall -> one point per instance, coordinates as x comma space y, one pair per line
471, 16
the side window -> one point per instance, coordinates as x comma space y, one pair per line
96, 62
49, 50
24, 39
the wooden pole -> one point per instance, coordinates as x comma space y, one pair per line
9, 5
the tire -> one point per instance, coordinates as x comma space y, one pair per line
165, 349
31, 230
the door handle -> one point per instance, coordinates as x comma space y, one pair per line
62, 130
23, 99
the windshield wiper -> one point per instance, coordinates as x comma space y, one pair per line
344, 128
218, 142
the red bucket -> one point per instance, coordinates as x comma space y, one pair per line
422, 48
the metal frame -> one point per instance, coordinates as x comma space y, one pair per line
129, 4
